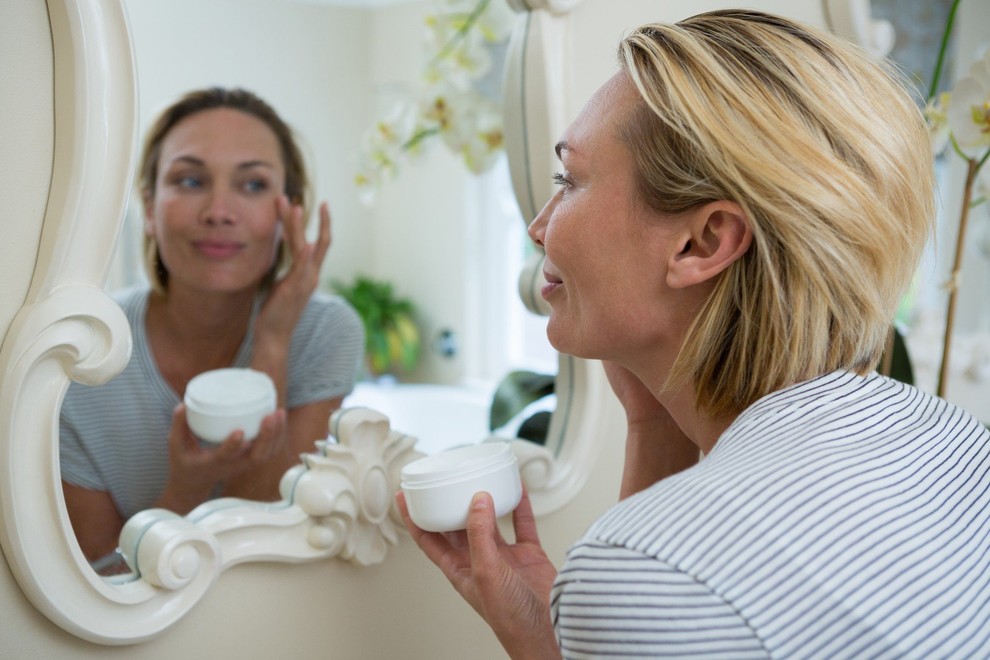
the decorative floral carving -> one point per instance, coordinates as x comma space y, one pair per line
362, 469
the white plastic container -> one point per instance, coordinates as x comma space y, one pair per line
222, 401
439, 488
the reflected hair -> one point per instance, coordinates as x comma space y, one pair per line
829, 157
297, 187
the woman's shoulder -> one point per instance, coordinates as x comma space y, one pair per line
329, 315
131, 297
322, 306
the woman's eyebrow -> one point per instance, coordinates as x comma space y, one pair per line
255, 163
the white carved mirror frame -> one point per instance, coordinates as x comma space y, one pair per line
338, 502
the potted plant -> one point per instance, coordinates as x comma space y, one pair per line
392, 337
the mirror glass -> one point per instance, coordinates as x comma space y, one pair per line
450, 241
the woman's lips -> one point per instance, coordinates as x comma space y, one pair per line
218, 249
553, 282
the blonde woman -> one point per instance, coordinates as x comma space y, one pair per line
231, 284
740, 209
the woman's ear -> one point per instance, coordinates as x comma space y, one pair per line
715, 235
148, 205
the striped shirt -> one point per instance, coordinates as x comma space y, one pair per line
114, 437
845, 517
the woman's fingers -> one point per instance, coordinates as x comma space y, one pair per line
482, 533
434, 545
269, 438
524, 522
291, 216
307, 258
325, 236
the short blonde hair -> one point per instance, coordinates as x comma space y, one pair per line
829, 157
297, 187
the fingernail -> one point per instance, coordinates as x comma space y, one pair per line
480, 500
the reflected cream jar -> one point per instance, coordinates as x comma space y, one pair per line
439, 488
222, 401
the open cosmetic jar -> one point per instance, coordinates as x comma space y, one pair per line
222, 401
439, 488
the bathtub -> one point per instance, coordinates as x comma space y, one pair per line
438, 416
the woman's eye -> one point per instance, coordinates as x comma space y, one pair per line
560, 180
189, 182
255, 185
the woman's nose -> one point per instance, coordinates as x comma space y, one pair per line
539, 224
219, 208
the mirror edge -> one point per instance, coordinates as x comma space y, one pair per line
536, 112
67, 326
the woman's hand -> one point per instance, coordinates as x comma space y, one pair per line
637, 400
277, 319
508, 585
195, 471
656, 447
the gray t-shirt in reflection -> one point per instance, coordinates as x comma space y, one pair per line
114, 437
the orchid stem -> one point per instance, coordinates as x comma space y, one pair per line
463, 30
973, 166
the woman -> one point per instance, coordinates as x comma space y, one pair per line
232, 276
741, 207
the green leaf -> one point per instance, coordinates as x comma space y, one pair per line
536, 427
516, 391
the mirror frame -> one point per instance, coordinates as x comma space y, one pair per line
336, 503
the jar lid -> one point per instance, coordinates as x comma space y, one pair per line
458, 464
226, 390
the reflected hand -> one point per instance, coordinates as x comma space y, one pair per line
507, 584
289, 295
194, 470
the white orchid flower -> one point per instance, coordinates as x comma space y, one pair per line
495, 24
460, 38
968, 112
469, 62
472, 127
484, 147
938, 123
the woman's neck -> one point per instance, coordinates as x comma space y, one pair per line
189, 332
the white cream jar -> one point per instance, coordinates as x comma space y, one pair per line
222, 401
439, 488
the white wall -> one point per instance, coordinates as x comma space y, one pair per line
309, 61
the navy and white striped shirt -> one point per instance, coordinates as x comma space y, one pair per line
845, 517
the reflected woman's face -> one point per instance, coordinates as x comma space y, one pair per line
213, 211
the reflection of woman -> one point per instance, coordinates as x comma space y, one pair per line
232, 284
740, 209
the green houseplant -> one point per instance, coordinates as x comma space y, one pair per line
392, 337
